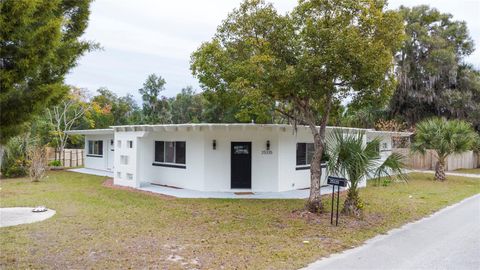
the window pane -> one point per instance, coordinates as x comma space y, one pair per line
90, 147
180, 152
170, 152
310, 151
240, 149
301, 150
159, 151
100, 148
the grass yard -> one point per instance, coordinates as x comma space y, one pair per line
473, 171
100, 227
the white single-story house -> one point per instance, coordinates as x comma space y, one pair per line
211, 157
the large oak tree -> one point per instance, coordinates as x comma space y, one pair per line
306, 60
433, 79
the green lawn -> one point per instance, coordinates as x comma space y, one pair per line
99, 227
474, 171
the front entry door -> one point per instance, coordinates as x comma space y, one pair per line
241, 171
110, 155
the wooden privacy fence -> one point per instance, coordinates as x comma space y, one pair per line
467, 160
69, 157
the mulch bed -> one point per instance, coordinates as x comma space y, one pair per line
109, 184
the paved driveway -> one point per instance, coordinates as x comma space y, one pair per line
449, 239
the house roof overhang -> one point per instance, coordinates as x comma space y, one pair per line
218, 126
105, 131
227, 127
389, 133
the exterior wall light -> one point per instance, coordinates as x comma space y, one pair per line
214, 144
268, 145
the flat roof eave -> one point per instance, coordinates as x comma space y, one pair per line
222, 126
103, 131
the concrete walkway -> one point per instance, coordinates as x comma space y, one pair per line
449, 239
187, 193
11, 216
471, 175
92, 172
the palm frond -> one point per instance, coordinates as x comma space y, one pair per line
392, 167
444, 136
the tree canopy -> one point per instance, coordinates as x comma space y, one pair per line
304, 61
39, 43
114, 109
187, 106
432, 78
155, 107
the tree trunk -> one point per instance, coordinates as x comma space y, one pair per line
314, 203
60, 155
352, 205
2, 151
440, 170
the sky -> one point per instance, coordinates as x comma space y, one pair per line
150, 36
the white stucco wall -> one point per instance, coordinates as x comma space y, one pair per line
190, 177
122, 171
289, 177
94, 162
218, 161
208, 169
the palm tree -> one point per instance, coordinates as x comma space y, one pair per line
351, 157
445, 137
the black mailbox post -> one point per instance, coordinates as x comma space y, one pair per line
339, 182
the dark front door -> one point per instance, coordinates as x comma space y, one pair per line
241, 171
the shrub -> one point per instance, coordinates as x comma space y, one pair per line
14, 163
55, 163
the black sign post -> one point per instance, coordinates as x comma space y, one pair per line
339, 182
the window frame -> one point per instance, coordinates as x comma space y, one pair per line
378, 150
173, 164
306, 166
93, 154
